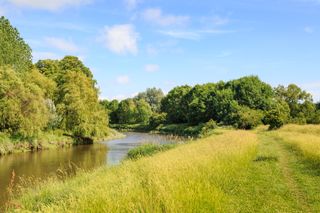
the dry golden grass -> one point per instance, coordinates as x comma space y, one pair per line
306, 139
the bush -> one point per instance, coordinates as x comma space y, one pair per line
246, 118
208, 128
156, 119
148, 150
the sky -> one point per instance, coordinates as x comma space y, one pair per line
131, 45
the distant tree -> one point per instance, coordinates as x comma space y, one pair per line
196, 101
250, 91
13, 50
143, 111
126, 112
172, 104
299, 101
246, 118
153, 97
278, 115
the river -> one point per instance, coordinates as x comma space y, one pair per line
46, 163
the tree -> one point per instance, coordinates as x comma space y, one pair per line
81, 113
13, 50
246, 118
72, 63
299, 101
252, 92
173, 105
126, 112
49, 68
153, 97
196, 101
278, 115
23, 108
143, 111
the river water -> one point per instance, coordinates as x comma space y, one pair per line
47, 163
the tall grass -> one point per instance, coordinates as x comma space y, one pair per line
305, 139
192, 177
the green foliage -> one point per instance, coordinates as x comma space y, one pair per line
73, 64
148, 150
23, 108
157, 118
277, 116
49, 68
153, 97
126, 112
79, 107
196, 103
173, 104
299, 101
246, 118
13, 50
251, 92
143, 111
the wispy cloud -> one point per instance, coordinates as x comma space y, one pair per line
152, 68
308, 29
196, 34
123, 79
131, 4
51, 5
62, 44
121, 39
156, 16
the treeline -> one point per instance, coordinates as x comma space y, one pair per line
244, 103
49, 95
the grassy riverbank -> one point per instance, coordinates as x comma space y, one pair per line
236, 171
44, 140
184, 130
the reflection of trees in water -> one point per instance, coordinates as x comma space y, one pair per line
46, 163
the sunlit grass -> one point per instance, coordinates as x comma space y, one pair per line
305, 139
191, 177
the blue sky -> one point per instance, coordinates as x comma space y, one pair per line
131, 45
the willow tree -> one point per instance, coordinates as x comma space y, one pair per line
81, 113
23, 108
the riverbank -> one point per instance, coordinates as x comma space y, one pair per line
237, 171
44, 141
183, 130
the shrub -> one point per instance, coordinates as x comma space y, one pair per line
148, 150
246, 118
157, 118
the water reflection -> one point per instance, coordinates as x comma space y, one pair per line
46, 163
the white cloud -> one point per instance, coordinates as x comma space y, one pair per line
219, 21
123, 79
44, 55
62, 44
155, 16
121, 39
152, 68
131, 4
49, 4
196, 34
308, 30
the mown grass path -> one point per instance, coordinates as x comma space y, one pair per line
278, 180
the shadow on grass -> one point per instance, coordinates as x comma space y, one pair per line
266, 158
306, 166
